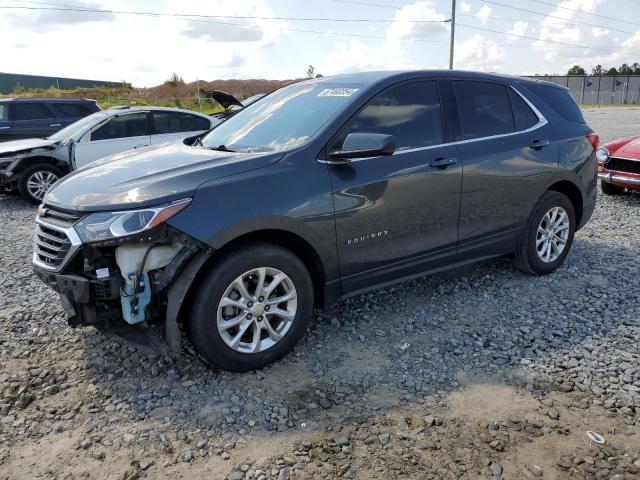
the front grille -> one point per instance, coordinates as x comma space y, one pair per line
623, 165
51, 246
59, 217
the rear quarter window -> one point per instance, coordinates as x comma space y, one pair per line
559, 100
4, 113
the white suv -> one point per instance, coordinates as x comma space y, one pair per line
34, 165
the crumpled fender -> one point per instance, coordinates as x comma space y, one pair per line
176, 295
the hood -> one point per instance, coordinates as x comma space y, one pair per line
157, 174
21, 146
630, 149
223, 98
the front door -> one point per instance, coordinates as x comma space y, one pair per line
121, 133
398, 215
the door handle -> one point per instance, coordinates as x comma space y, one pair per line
443, 162
539, 144
140, 146
55, 125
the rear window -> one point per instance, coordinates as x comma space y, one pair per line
176, 122
73, 109
31, 111
560, 100
485, 108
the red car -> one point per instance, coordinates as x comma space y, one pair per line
619, 165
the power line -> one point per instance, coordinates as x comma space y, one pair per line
586, 47
207, 19
70, 8
585, 13
558, 18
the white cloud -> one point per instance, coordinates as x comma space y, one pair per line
392, 53
402, 26
48, 20
484, 13
141, 49
519, 28
478, 53
465, 7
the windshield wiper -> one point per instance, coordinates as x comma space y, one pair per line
222, 148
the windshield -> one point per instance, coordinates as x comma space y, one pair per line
76, 128
285, 119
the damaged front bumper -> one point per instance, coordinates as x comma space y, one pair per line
121, 287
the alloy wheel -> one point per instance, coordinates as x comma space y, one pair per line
39, 183
552, 235
257, 310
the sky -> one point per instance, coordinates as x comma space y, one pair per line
383, 35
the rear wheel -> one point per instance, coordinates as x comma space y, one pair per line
252, 308
548, 235
611, 189
35, 181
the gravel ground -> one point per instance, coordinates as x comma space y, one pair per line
473, 373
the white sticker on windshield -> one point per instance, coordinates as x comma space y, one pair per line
337, 92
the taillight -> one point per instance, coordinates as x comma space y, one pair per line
594, 140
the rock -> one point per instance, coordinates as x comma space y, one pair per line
236, 475
186, 456
535, 470
496, 469
86, 443
146, 463
553, 413
98, 455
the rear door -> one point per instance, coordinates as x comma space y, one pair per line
170, 126
398, 215
509, 155
125, 131
32, 120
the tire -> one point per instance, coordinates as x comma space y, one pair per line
42, 173
207, 313
611, 189
527, 257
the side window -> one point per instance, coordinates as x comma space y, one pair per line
73, 110
410, 112
485, 109
559, 99
176, 122
522, 113
4, 113
132, 125
31, 111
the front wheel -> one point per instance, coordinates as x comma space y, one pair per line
35, 182
548, 235
252, 308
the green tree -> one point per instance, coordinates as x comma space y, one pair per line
576, 70
311, 70
625, 70
598, 70
612, 71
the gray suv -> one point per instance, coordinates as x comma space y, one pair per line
321, 190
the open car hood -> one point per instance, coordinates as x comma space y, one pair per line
8, 149
149, 176
223, 98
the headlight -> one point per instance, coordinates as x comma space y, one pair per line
102, 226
602, 155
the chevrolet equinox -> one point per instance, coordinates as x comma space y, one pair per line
321, 190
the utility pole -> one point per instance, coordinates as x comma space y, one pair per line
453, 33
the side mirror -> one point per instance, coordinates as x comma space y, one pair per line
362, 145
